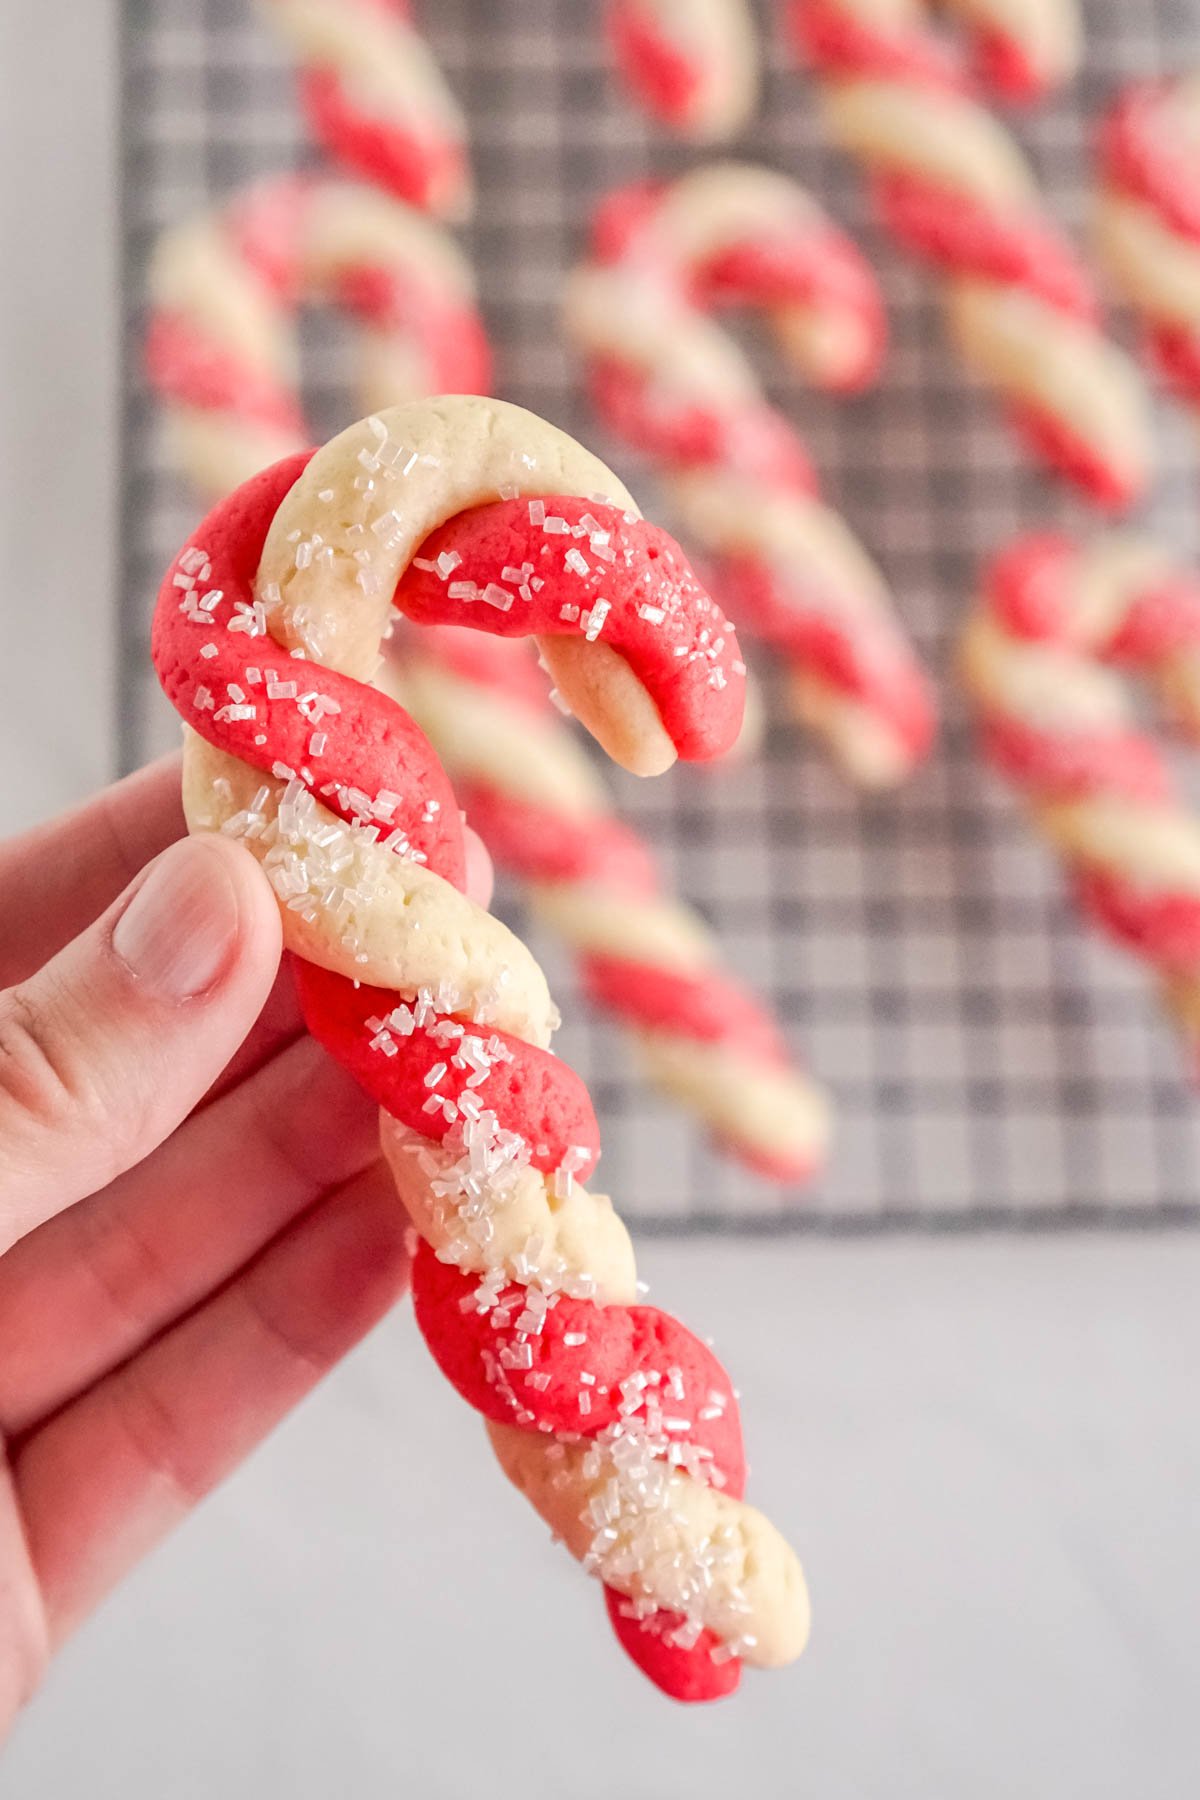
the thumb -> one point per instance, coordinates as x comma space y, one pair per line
112, 1043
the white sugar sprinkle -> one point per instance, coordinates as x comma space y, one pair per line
593, 621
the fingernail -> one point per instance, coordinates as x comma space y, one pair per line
178, 933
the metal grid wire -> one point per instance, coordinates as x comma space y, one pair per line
993, 1062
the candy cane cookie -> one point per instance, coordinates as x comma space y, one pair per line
1148, 220
618, 1424
692, 63
951, 185
1058, 723
375, 100
221, 349
666, 378
1020, 49
645, 957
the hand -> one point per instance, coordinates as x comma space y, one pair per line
194, 1221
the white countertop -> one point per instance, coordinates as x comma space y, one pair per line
987, 1452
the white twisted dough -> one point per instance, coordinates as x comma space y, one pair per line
222, 349
663, 1537
1060, 725
1148, 219
505, 752
694, 63
376, 101
954, 187
670, 380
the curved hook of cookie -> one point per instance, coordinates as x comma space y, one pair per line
666, 680
670, 381
225, 286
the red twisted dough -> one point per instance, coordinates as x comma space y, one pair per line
376, 101
673, 637
686, 657
1149, 219
669, 382
433, 1065
226, 288
953, 188
645, 958
1059, 726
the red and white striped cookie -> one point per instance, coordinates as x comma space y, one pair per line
1148, 223
543, 812
376, 101
671, 382
953, 188
618, 1424
692, 63
1038, 658
221, 351
1020, 49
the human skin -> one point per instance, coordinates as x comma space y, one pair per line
194, 1221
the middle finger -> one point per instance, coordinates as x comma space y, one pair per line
87, 1289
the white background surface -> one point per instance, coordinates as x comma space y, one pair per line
987, 1450
58, 361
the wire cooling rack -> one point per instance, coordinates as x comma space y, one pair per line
992, 1061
